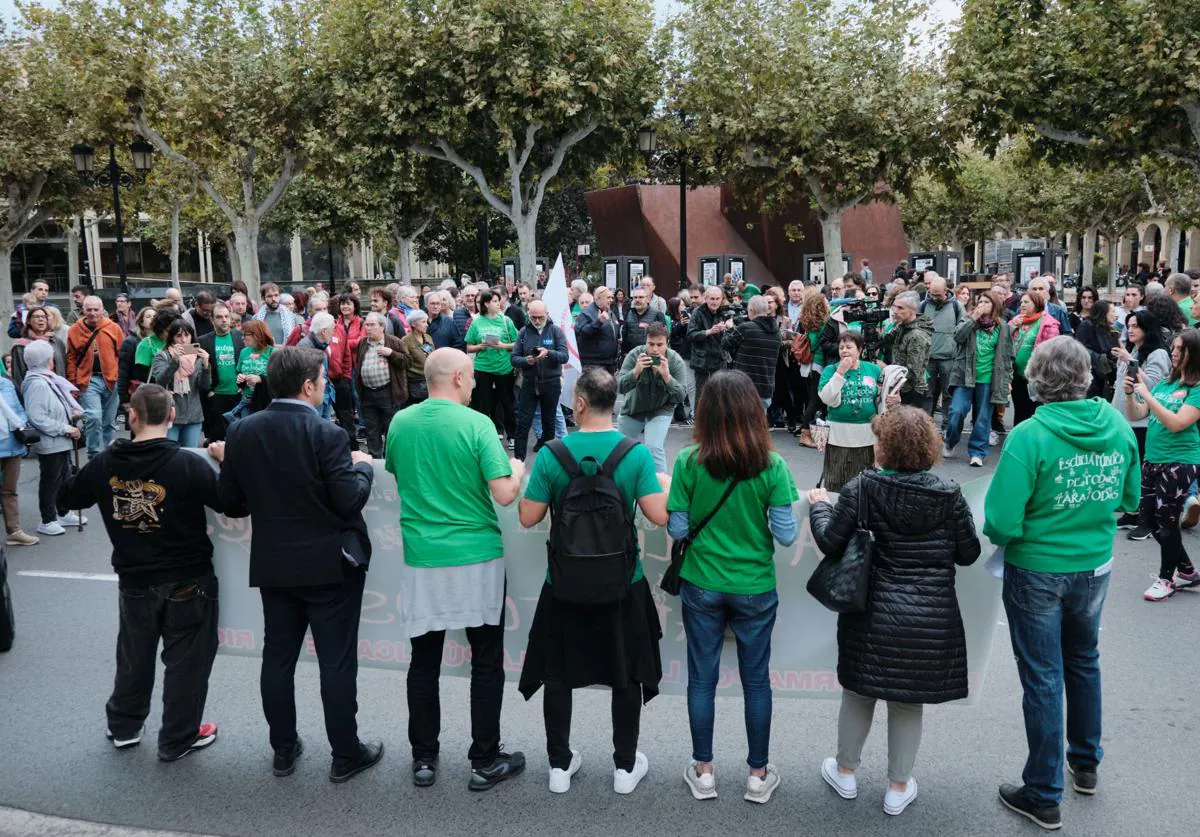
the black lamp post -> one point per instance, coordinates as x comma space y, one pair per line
115, 177
648, 146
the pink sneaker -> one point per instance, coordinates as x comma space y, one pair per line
1159, 591
1185, 580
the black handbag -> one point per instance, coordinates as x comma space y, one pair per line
670, 579
27, 435
842, 584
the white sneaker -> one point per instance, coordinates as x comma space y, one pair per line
72, 519
1159, 591
846, 784
894, 801
122, 743
993, 438
702, 785
976, 462
560, 780
51, 528
627, 782
760, 790
947, 451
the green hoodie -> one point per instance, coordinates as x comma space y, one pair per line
1061, 476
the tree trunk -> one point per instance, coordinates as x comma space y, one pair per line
1112, 264
6, 294
831, 236
73, 230
1089, 251
527, 248
235, 271
175, 208
404, 247
245, 240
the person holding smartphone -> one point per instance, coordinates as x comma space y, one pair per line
652, 381
182, 368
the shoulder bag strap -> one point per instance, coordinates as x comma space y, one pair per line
81, 353
862, 503
609, 468
700, 527
565, 458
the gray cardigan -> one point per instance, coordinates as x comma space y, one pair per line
962, 373
189, 409
47, 415
1157, 368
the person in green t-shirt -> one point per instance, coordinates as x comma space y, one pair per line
152, 344
490, 339
728, 573
613, 644
852, 391
453, 572
1172, 461
980, 376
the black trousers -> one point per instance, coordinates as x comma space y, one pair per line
1023, 405
332, 612
912, 398
377, 411
487, 693
215, 407
527, 402
797, 393
813, 405
53, 470
184, 616
626, 722
702, 376
343, 410
492, 391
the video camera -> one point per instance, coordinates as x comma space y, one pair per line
870, 313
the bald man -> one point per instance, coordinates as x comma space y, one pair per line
945, 314
539, 353
93, 352
453, 573
1041, 285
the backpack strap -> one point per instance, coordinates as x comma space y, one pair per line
565, 458
609, 468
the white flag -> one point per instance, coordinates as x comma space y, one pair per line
558, 308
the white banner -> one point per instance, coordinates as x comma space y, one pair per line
558, 307
804, 650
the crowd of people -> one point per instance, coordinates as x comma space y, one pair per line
1104, 422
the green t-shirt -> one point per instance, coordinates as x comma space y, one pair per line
635, 475
253, 363
735, 552
492, 361
985, 353
146, 350
1163, 446
1185, 305
225, 365
443, 454
858, 393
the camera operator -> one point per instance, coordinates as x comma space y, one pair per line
838, 322
709, 321
910, 342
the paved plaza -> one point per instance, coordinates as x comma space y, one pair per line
54, 759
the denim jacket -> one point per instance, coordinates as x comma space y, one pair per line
10, 409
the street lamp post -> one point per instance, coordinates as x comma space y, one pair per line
648, 145
114, 177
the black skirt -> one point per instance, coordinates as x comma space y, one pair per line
594, 645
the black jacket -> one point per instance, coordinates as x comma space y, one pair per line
707, 355
549, 370
291, 471
151, 496
754, 347
597, 341
633, 330
909, 645
679, 337
125, 376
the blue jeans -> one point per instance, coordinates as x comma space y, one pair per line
99, 414
965, 398
705, 615
560, 423
653, 431
188, 435
1054, 622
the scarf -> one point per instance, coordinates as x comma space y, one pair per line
986, 324
63, 389
183, 375
1025, 332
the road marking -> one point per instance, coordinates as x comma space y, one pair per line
73, 576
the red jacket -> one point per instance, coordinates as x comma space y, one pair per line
342, 348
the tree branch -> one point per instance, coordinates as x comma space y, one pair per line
292, 166
517, 167
155, 138
248, 181
446, 153
1059, 135
548, 173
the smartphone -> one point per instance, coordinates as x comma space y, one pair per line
1132, 371
655, 360
190, 349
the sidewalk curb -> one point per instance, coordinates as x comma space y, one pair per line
15, 822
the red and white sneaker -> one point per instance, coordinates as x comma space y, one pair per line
1159, 591
205, 736
1186, 580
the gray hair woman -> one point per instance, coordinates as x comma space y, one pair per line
1060, 479
50, 402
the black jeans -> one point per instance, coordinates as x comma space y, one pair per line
216, 406
492, 391
528, 401
1023, 406
912, 398
183, 615
377, 411
487, 693
626, 722
797, 394
813, 405
332, 612
343, 410
53, 468
939, 387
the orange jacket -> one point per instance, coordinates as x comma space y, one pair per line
80, 362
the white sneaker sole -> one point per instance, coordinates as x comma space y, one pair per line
1048, 826
896, 810
833, 783
761, 798
697, 792
572, 769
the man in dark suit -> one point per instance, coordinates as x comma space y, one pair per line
308, 552
223, 345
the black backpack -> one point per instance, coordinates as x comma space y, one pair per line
592, 549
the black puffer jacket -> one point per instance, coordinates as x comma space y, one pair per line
909, 645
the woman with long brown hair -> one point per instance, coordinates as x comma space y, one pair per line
813, 316
728, 573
